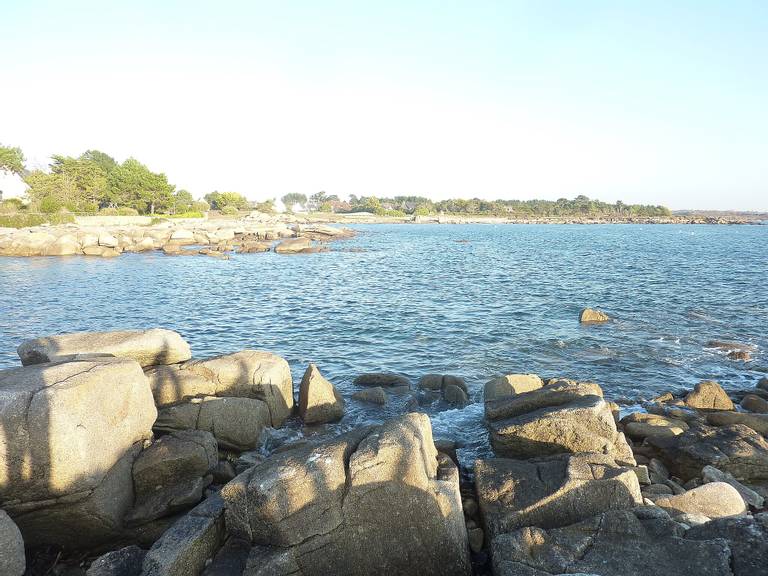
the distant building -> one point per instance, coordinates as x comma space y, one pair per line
11, 186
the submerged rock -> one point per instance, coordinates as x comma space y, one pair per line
319, 401
348, 506
551, 492
147, 347
375, 395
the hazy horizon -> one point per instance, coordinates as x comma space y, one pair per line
658, 103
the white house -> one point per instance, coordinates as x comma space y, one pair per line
11, 186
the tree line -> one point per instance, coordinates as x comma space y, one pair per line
95, 181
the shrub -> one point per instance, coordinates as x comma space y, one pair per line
50, 205
230, 211
157, 220
108, 212
190, 214
127, 212
25, 220
200, 206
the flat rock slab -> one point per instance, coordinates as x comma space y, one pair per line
147, 347
639, 542
551, 492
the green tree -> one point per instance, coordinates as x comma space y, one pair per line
76, 184
182, 201
101, 159
134, 185
11, 160
290, 200
219, 200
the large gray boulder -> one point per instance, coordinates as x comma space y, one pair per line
641, 425
171, 474
245, 374
348, 506
12, 559
735, 449
552, 491
559, 418
147, 347
511, 384
708, 395
319, 401
639, 542
236, 423
70, 432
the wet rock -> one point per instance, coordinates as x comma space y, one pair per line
171, 474
755, 403
123, 562
453, 388
375, 395
741, 355
758, 422
510, 385
747, 538
736, 449
639, 542
72, 431
708, 395
730, 346
455, 395
712, 474
714, 500
558, 418
592, 316
236, 423
384, 379
184, 549
347, 506
147, 347
12, 559
551, 492
319, 401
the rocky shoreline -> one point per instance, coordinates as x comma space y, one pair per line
121, 455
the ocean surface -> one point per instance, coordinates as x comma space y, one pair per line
472, 300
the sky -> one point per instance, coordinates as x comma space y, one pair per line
646, 102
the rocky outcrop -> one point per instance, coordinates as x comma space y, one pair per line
510, 385
69, 433
735, 449
319, 401
708, 395
171, 474
247, 374
592, 316
12, 559
713, 500
639, 542
236, 423
562, 417
347, 506
147, 347
551, 492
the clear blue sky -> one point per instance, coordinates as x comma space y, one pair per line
658, 102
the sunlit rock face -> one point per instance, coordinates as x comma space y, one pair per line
379, 500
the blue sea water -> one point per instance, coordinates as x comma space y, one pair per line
472, 300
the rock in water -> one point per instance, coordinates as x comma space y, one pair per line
639, 542
72, 431
592, 316
551, 492
559, 418
293, 246
385, 379
147, 347
510, 385
319, 401
713, 500
708, 395
12, 559
374, 395
348, 506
